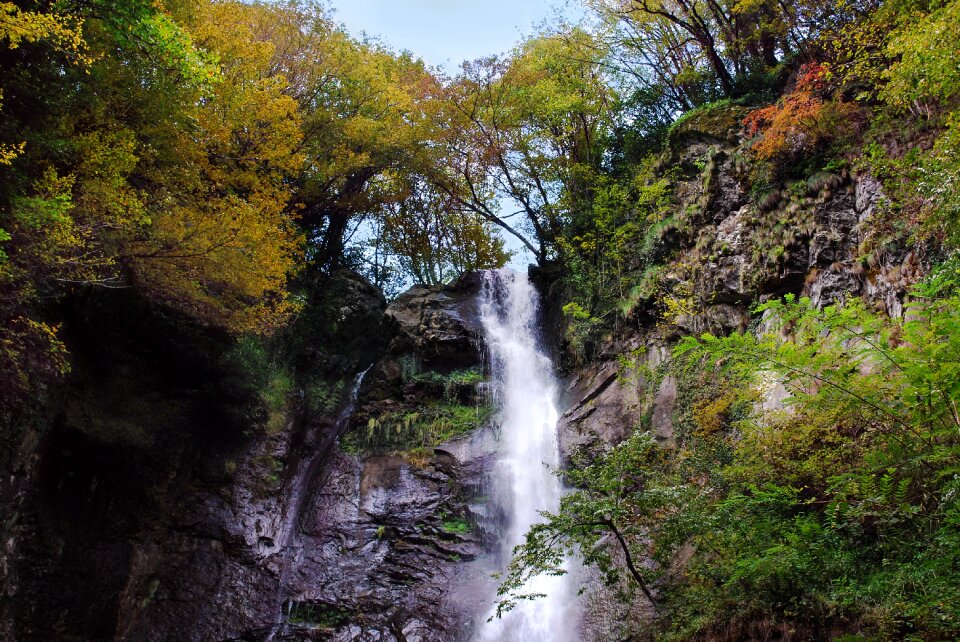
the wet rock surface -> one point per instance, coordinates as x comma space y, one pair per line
153, 513
607, 401
602, 409
376, 554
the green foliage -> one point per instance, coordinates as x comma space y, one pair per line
604, 520
415, 432
131, 158
717, 119
320, 615
163, 146
458, 384
608, 251
32, 355
202, 151
434, 243
846, 490
138, 25
814, 482
581, 332
323, 397
456, 526
901, 61
526, 133
19, 27
925, 53
264, 378
939, 184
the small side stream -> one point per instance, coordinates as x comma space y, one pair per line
300, 492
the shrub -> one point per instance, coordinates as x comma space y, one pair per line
803, 122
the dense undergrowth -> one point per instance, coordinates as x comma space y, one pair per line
436, 407
814, 488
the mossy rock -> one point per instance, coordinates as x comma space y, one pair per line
400, 431
320, 615
715, 122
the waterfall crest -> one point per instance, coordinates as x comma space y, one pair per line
524, 394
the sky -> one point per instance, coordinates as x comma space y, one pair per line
446, 32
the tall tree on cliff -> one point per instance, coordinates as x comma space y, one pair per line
371, 134
144, 147
696, 51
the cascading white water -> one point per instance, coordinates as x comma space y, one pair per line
524, 391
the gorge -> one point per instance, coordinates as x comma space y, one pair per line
645, 329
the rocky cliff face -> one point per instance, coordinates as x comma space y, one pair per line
723, 249
149, 503
731, 249
153, 508
384, 538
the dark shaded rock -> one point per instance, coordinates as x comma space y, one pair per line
831, 284
727, 193
154, 512
552, 287
384, 534
433, 332
815, 251
440, 324
346, 312
835, 270
727, 274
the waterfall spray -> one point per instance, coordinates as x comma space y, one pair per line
524, 392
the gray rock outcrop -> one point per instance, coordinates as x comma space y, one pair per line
153, 512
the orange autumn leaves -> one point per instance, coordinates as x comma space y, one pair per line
803, 121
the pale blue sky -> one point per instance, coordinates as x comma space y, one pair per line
447, 32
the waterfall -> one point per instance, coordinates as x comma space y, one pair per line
524, 393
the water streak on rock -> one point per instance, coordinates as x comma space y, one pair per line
299, 494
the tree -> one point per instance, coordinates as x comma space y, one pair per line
143, 146
221, 242
365, 116
433, 239
527, 131
656, 57
371, 139
32, 232
802, 122
700, 50
619, 497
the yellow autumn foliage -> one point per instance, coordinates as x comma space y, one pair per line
221, 241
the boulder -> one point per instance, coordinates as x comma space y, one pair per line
440, 324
